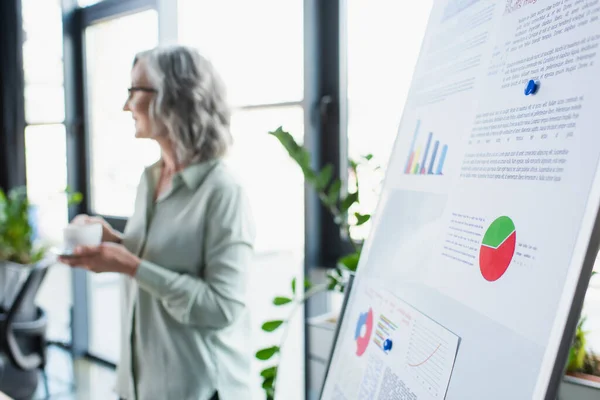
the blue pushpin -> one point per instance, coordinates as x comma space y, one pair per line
387, 345
532, 87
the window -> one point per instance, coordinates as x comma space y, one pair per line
264, 70
257, 47
268, 175
45, 149
42, 62
383, 43
591, 309
117, 157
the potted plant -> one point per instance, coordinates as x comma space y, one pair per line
582, 379
19, 249
344, 209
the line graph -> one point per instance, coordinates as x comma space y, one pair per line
427, 357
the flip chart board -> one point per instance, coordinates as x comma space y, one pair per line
472, 278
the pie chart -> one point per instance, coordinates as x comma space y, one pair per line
362, 333
497, 248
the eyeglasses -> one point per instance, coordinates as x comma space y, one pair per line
140, 89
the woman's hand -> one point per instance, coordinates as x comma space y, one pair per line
107, 257
108, 233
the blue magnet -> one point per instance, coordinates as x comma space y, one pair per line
532, 87
387, 345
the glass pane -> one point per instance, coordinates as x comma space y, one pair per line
42, 25
591, 309
105, 321
87, 3
378, 82
40, 65
274, 182
46, 160
256, 45
117, 158
44, 103
42, 61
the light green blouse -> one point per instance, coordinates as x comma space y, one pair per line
185, 322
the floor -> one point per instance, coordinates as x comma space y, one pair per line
81, 379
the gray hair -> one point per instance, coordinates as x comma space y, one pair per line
190, 103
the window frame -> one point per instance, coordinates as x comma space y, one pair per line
12, 97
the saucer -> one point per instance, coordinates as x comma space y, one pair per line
62, 252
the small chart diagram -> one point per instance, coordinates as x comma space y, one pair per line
362, 333
427, 356
497, 248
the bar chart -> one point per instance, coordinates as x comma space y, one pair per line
383, 334
423, 157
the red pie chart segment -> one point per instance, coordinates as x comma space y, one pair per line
497, 249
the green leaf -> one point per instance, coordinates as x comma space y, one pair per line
350, 261
348, 201
286, 140
279, 301
361, 218
296, 152
368, 157
270, 392
38, 254
268, 383
594, 273
267, 353
294, 286
74, 198
307, 285
270, 326
333, 194
333, 282
324, 178
302, 157
269, 372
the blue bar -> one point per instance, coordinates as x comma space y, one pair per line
422, 171
442, 159
435, 149
412, 145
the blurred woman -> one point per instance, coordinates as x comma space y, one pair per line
187, 248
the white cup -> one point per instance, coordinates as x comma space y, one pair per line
81, 235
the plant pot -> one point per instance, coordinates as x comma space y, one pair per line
579, 387
588, 377
12, 278
321, 335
